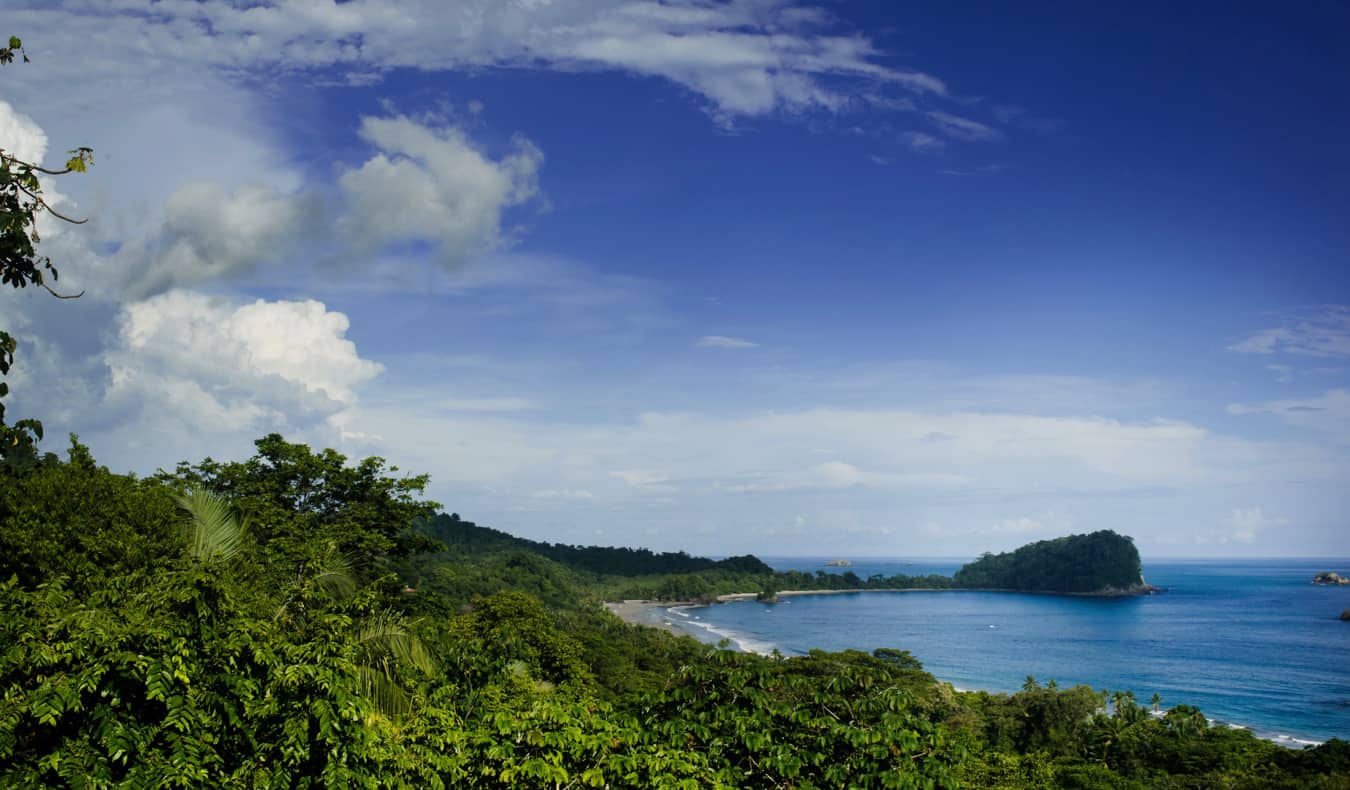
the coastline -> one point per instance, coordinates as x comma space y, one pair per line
632, 610
649, 613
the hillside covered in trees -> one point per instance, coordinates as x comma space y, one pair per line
459, 534
289, 621
1094, 563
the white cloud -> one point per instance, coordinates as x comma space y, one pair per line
1321, 333
643, 478
1327, 414
1019, 526
1025, 119
961, 128
1245, 523
209, 234
745, 57
430, 183
20, 135
841, 475
216, 367
562, 493
922, 142
721, 341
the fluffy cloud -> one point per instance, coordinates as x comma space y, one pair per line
212, 366
431, 184
744, 57
210, 234
21, 135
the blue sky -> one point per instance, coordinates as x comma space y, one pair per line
767, 276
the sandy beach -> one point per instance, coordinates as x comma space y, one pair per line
640, 611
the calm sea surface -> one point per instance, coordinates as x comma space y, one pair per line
1252, 643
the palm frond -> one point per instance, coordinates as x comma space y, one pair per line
334, 576
387, 696
213, 532
387, 634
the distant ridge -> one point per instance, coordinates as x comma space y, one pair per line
456, 533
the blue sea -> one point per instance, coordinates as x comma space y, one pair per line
1252, 643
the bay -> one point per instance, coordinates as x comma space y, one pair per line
1253, 643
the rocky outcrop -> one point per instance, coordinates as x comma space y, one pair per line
1330, 578
1345, 615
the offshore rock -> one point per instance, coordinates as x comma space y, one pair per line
1329, 577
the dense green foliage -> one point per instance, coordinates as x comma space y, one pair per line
291, 629
1098, 562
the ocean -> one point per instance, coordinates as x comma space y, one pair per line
1252, 643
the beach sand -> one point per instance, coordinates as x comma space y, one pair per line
641, 612
646, 612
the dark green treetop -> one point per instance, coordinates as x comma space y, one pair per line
1097, 562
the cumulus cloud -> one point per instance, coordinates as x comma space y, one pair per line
20, 135
211, 234
431, 184
23, 138
1321, 333
214, 366
721, 341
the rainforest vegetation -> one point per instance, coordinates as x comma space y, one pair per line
297, 620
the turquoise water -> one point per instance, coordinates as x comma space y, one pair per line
1252, 643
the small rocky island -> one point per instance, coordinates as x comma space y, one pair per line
838, 564
1329, 577
1345, 615
1100, 563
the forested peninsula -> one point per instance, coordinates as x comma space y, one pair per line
1100, 563
298, 620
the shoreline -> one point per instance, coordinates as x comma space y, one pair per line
630, 609
644, 612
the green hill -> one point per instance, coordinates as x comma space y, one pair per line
1100, 562
456, 533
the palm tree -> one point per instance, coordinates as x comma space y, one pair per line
384, 642
214, 534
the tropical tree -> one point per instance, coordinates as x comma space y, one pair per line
21, 203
